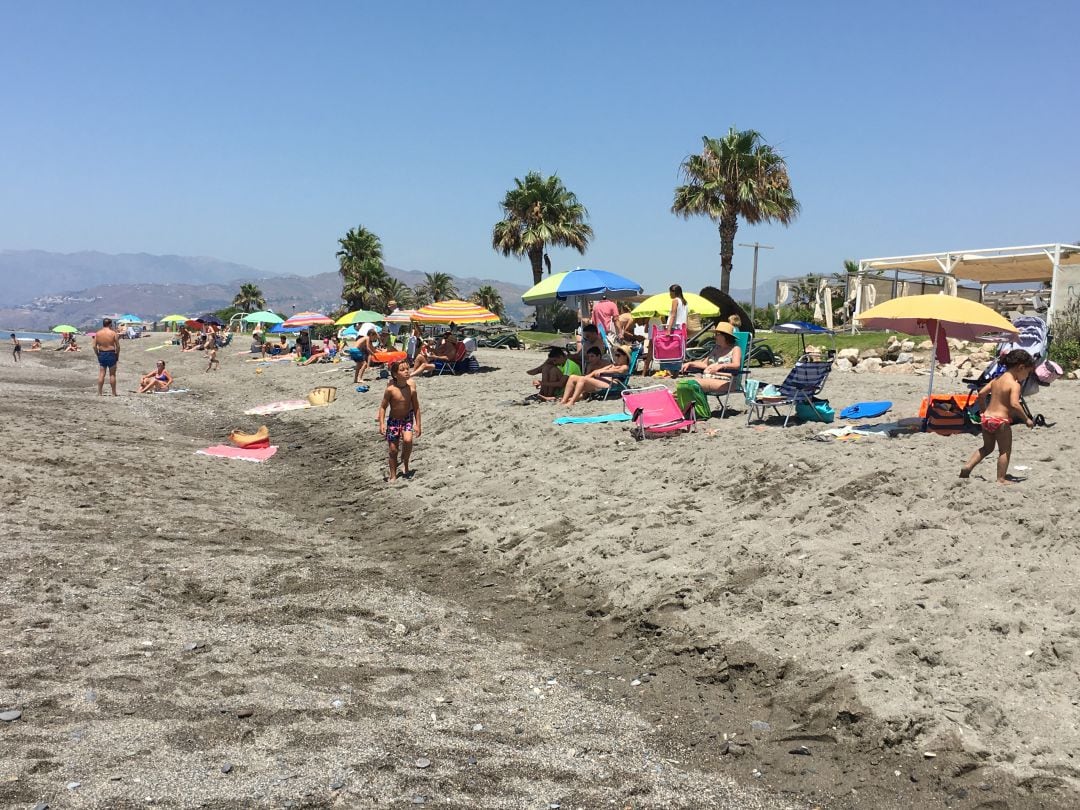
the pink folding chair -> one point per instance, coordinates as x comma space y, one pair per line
654, 410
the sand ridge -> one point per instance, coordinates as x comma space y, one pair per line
921, 595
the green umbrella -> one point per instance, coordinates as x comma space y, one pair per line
174, 319
265, 316
359, 316
64, 328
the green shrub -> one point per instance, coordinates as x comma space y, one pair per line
1065, 347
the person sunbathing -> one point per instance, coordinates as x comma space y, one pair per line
317, 355
157, 380
599, 380
723, 362
554, 372
36, 345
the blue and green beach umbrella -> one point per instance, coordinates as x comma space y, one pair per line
581, 282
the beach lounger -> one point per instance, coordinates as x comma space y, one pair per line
804, 382
654, 410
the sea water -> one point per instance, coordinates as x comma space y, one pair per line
28, 337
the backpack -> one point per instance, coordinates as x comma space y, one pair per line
688, 392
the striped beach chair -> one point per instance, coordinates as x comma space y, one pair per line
804, 382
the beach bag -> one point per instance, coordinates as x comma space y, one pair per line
323, 395
818, 411
688, 393
1048, 371
251, 441
669, 348
947, 415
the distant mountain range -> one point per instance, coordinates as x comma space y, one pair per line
80, 288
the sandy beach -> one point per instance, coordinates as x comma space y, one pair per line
544, 616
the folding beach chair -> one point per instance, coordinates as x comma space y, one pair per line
450, 366
804, 382
621, 382
654, 410
738, 379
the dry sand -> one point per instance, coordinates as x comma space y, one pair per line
853, 598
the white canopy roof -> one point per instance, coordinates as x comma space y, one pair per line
987, 266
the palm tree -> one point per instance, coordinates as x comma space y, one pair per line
398, 291
540, 211
249, 299
489, 298
439, 286
738, 175
421, 296
360, 262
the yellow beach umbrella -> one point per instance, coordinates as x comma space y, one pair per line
174, 319
941, 317
455, 312
659, 305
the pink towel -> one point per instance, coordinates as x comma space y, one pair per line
241, 453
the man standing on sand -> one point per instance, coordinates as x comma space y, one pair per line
107, 349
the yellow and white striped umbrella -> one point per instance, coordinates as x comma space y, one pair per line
455, 312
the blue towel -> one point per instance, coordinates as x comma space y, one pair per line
865, 410
588, 420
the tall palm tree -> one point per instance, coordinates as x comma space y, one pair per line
537, 212
738, 175
489, 298
249, 299
421, 295
439, 286
360, 262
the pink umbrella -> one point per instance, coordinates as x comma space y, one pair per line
307, 319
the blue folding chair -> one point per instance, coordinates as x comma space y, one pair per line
621, 382
804, 382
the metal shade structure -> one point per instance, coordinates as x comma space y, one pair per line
455, 311
306, 319
940, 316
659, 305
581, 283
262, 316
359, 316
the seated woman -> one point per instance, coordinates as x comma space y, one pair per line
723, 362
157, 380
318, 354
36, 345
72, 345
599, 380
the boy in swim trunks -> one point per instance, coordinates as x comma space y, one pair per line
403, 421
999, 402
16, 347
107, 349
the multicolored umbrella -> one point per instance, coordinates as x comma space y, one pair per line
263, 316
580, 282
174, 319
659, 305
455, 312
307, 319
64, 329
359, 316
401, 316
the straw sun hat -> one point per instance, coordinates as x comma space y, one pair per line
726, 328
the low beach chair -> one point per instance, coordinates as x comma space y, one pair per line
654, 410
621, 382
804, 382
738, 379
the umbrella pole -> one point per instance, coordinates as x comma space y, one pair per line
933, 366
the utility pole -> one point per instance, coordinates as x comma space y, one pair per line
753, 284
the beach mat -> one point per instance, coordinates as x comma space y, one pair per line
589, 420
285, 359
278, 407
239, 453
174, 391
156, 348
865, 410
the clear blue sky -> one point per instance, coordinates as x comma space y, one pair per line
259, 132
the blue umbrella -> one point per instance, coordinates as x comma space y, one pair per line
581, 282
278, 329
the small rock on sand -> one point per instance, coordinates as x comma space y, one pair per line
10, 716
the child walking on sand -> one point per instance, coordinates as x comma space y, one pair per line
999, 402
214, 362
403, 422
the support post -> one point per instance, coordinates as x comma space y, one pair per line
753, 281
